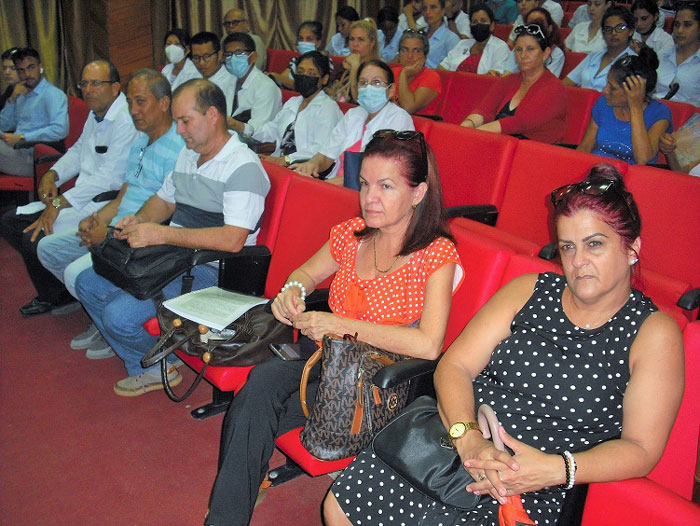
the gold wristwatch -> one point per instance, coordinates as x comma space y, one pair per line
56, 203
459, 429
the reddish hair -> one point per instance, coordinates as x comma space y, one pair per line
427, 222
616, 207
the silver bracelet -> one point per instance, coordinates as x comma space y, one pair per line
291, 284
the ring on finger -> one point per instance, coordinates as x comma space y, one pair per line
481, 477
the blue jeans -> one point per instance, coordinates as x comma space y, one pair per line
63, 256
120, 317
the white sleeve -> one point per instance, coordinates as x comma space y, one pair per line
337, 140
68, 166
167, 191
557, 63
324, 122
455, 56
268, 102
499, 57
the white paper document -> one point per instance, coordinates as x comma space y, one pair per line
214, 307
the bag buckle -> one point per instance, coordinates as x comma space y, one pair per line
446, 442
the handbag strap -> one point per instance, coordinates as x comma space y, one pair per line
169, 390
313, 360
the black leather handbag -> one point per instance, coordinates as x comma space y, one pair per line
243, 343
416, 447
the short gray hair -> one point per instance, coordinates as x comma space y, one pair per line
157, 83
420, 35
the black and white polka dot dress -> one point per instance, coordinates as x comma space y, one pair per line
553, 385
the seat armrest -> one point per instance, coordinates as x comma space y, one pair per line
548, 252
487, 214
431, 117
399, 372
690, 300
48, 158
204, 255
317, 300
56, 145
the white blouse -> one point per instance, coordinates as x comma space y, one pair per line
494, 56
188, 72
578, 42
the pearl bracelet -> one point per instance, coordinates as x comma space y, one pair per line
291, 284
570, 467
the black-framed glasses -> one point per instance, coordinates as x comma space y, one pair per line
94, 83
619, 28
594, 187
203, 58
530, 29
407, 135
233, 23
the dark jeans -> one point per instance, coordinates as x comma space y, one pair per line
267, 406
49, 288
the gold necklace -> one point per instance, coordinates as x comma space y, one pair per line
374, 244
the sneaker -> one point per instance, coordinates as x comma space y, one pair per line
99, 352
145, 382
86, 338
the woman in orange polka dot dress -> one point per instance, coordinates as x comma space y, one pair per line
396, 268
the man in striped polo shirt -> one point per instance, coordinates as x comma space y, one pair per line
216, 197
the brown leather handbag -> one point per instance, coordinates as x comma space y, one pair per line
349, 409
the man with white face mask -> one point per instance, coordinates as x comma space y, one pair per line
256, 97
179, 68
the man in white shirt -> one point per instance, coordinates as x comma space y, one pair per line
98, 158
216, 197
457, 20
208, 59
236, 21
256, 97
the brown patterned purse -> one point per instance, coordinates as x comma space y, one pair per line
349, 410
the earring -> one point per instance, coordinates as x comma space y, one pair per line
413, 207
634, 261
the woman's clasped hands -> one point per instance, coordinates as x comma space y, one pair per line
290, 309
501, 475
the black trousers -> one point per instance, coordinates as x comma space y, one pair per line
48, 288
266, 407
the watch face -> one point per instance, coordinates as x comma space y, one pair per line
56, 202
458, 429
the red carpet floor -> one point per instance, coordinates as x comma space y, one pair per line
74, 453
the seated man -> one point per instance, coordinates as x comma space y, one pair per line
206, 55
216, 196
98, 158
152, 157
256, 97
36, 111
236, 21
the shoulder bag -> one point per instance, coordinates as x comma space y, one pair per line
349, 409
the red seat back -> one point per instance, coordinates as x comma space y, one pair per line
503, 31
474, 165
537, 169
423, 125
668, 23
579, 103
483, 262
520, 264
669, 207
274, 203
571, 60
337, 62
310, 209
677, 465
288, 94
278, 59
464, 92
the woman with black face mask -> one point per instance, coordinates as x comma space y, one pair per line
484, 53
305, 122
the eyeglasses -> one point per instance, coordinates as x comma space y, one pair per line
233, 23
407, 135
138, 171
619, 28
238, 53
202, 58
376, 83
94, 83
595, 187
530, 29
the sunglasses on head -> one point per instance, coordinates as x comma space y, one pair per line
595, 187
407, 135
530, 29
415, 32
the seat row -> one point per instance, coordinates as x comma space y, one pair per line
299, 214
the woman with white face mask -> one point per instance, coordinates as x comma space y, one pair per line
376, 88
179, 68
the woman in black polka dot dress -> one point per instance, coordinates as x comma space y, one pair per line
563, 361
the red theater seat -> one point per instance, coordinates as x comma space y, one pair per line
502, 31
474, 165
579, 103
571, 60
77, 114
464, 92
537, 169
668, 205
278, 59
